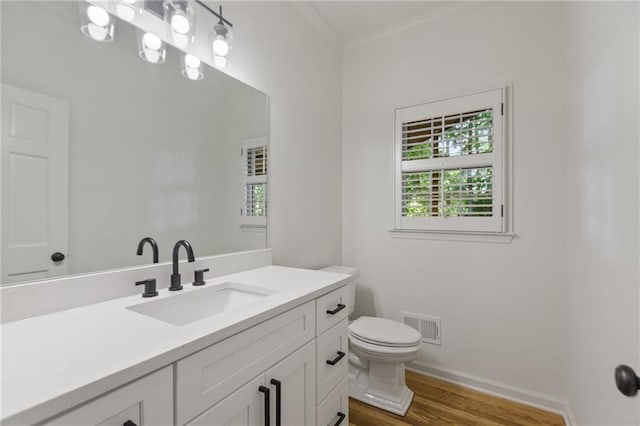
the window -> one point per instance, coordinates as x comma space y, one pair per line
254, 199
449, 167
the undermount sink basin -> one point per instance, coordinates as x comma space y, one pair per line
181, 309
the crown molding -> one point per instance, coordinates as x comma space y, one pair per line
406, 25
310, 13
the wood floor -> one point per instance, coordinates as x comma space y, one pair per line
442, 403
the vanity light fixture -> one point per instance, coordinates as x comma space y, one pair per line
128, 10
180, 16
220, 37
95, 22
192, 67
151, 48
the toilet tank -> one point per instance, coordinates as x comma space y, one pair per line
351, 286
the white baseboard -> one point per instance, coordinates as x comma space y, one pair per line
502, 390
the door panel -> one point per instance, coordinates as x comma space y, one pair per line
297, 377
35, 146
244, 407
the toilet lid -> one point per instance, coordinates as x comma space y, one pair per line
384, 331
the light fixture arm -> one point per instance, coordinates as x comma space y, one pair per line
216, 14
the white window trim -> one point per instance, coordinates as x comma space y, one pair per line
443, 231
253, 222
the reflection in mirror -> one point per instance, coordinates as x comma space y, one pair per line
101, 149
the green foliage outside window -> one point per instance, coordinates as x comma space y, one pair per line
449, 192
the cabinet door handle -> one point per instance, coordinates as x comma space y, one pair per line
278, 385
341, 417
129, 423
267, 404
336, 359
336, 310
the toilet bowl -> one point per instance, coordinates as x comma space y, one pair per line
378, 351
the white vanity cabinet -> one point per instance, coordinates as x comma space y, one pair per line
234, 381
295, 405
274, 373
147, 401
207, 377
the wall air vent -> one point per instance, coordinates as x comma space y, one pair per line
428, 326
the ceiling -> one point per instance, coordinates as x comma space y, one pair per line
353, 21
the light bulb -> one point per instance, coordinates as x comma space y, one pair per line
191, 61
96, 32
192, 73
179, 22
220, 46
98, 15
151, 41
125, 12
220, 61
152, 56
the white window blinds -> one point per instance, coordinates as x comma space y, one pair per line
449, 164
254, 200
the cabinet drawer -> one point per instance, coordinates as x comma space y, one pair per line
334, 409
328, 303
206, 377
147, 401
330, 345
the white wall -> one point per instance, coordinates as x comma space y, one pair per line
502, 305
602, 208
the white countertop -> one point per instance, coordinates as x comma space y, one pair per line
54, 362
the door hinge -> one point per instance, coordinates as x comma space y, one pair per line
501, 210
241, 151
502, 108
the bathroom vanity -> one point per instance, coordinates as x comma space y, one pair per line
273, 351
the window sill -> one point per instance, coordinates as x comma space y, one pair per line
480, 237
253, 228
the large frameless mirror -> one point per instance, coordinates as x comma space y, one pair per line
101, 148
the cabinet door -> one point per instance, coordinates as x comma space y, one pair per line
334, 410
244, 407
147, 401
297, 382
207, 377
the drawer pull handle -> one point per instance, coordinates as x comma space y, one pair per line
336, 359
336, 310
278, 385
267, 404
129, 423
341, 417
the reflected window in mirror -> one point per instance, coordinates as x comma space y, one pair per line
254, 159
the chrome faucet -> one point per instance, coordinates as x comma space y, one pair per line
175, 276
154, 247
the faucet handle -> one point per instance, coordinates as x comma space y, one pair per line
198, 276
149, 287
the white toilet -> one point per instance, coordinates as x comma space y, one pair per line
378, 351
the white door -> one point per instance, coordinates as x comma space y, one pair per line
35, 157
296, 378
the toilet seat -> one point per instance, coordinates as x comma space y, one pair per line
384, 332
